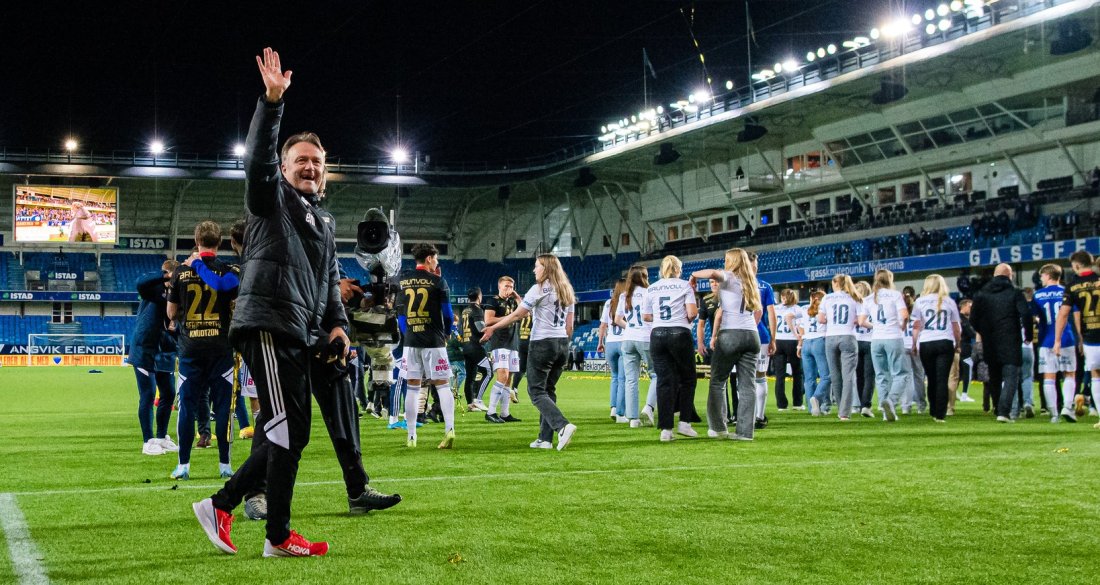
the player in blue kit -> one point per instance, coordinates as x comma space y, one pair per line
1045, 305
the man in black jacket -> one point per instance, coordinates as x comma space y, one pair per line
1001, 316
289, 303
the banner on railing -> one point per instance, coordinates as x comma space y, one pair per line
69, 297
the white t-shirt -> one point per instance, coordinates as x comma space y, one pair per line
636, 328
783, 331
885, 314
863, 333
734, 314
548, 317
841, 312
936, 325
667, 301
614, 332
811, 327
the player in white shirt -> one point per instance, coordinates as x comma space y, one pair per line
917, 391
938, 333
671, 308
839, 311
815, 365
787, 316
550, 303
738, 343
611, 342
885, 311
635, 345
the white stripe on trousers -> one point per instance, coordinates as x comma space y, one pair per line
275, 391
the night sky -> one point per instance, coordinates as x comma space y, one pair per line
487, 80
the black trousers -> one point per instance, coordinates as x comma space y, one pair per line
937, 357
865, 374
786, 353
548, 357
280, 369
472, 359
673, 353
1004, 381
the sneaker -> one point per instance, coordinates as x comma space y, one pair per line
490, 417
760, 423
383, 413
685, 429
798, 408
448, 441
845, 419
540, 444
513, 395
397, 425
965, 398
815, 406
888, 411
1079, 405
225, 471
1068, 415
565, 435
1096, 426
372, 499
614, 414
1055, 419
216, 524
1004, 419
939, 420
666, 436
647, 412
295, 546
479, 405
1029, 411
255, 508
782, 409
169, 445
411, 442
247, 433
866, 412
635, 423
713, 434
736, 437
152, 447
368, 407
621, 419
204, 441
181, 472
510, 418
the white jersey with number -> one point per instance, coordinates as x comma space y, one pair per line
841, 312
614, 332
811, 327
936, 323
734, 314
783, 330
548, 317
637, 329
885, 314
667, 301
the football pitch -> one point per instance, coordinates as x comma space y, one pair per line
811, 500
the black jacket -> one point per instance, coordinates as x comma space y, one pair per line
1000, 315
289, 279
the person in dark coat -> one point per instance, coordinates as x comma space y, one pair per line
1000, 315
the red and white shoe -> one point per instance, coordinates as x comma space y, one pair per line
295, 546
216, 524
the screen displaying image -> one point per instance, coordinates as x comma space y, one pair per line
66, 214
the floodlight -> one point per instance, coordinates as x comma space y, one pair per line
917, 19
930, 29
790, 65
729, 85
603, 129
874, 33
156, 147
660, 109
945, 24
930, 14
942, 10
239, 149
810, 56
956, 6
821, 52
778, 68
831, 49
399, 155
70, 144
702, 96
634, 119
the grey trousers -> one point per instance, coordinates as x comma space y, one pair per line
545, 361
843, 355
735, 347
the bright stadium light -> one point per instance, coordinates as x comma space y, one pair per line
831, 49
399, 155
875, 33
821, 52
778, 68
729, 85
942, 10
810, 56
930, 29
790, 65
945, 24
156, 147
917, 20
956, 6
70, 144
930, 14
603, 129
238, 149
702, 96
660, 109
897, 28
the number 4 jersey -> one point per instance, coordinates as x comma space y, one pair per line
204, 312
421, 301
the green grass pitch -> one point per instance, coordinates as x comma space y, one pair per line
811, 501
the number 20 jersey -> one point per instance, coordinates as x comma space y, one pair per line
421, 302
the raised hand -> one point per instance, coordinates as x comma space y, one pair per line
271, 70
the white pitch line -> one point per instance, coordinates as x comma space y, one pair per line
537, 474
26, 561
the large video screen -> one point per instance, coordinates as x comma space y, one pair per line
66, 214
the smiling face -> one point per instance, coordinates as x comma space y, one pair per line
304, 167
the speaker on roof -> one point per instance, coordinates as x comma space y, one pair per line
666, 155
752, 132
584, 178
889, 91
1072, 37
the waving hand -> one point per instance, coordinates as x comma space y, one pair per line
271, 70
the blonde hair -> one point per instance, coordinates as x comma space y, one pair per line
505, 279
934, 284
863, 288
553, 272
671, 267
844, 283
737, 262
815, 302
789, 296
883, 279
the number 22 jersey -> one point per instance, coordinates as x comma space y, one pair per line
421, 302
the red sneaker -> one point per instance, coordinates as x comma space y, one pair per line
216, 524
295, 546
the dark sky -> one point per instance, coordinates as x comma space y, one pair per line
478, 79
